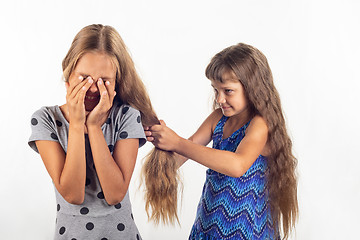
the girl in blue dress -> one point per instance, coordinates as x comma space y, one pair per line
250, 190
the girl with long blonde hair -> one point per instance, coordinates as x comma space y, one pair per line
89, 145
250, 190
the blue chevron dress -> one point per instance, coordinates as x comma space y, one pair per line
234, 208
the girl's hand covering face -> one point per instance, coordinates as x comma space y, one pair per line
75, 96
99, 114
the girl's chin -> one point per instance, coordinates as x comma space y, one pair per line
226, 112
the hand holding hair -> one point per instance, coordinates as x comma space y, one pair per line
163, 137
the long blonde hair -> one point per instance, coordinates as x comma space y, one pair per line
159, 170
252, 69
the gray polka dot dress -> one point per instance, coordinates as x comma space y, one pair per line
94, 219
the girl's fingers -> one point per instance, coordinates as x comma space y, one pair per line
103, 91
162, 122
84, 89
73, 91
150, 139
147, 133
75, 81
111, 92
156, 128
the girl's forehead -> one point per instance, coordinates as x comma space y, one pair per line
95, 63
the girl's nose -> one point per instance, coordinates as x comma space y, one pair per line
220, 99
93, 88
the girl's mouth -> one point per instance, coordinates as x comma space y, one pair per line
92, 98
225, 108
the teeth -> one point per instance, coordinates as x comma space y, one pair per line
90, 97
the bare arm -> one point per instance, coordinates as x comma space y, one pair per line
114, 171
68, 171
202, 136
228, 163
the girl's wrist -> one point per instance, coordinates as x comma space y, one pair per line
179, 143
76, 120
78, 127
92, 127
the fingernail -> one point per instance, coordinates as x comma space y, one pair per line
81, 78
107, 83
90, 80
100, 81
114, 93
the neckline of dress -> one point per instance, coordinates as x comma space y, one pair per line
224, 119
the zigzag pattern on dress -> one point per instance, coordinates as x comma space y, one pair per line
234, 208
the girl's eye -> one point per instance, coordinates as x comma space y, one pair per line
228, 90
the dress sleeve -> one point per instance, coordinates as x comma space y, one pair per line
130, 125
42, 128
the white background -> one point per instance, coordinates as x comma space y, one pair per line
313, 50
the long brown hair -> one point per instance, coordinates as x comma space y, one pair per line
160, 173
252, 69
